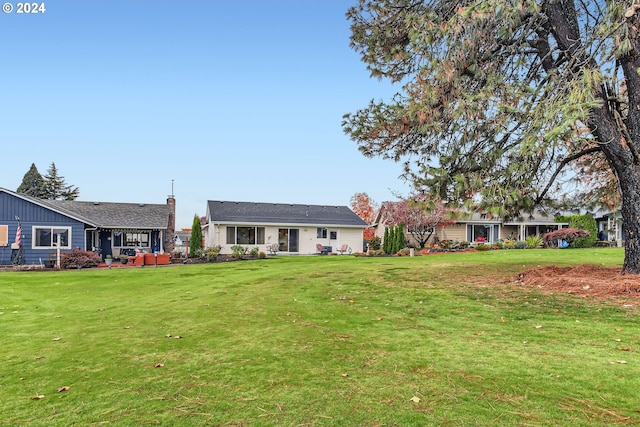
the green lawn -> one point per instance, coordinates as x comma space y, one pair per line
317, 341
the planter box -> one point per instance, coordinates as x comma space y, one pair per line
162, 259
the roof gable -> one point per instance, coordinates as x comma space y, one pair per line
119, 215
280, 213
106, 215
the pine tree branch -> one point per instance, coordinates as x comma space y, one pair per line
561, 166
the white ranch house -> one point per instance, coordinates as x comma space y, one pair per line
295, 229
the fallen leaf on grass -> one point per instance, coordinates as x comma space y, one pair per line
345, 375
158, 365
503, 320
624, 348
65, 388
56, 339
538, 326
415, 399
37, 397
178, 336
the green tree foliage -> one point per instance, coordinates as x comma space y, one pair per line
501, 102
56, 188
386, 241
33, 184
195, 242
400, 241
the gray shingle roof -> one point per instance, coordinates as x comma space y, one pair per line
116, 215
280, 213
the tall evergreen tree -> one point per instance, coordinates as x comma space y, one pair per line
33, 184
195, 242
400, 240
392, 239
56, 188
386, 241
504, 102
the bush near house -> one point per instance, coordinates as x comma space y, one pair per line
570, 235
583, 222
80, 259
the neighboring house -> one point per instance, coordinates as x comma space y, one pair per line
290, 228
181, 241
610, 226
479, 227
108, 228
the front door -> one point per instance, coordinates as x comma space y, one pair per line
105, 243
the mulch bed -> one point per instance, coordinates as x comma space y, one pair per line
582, 280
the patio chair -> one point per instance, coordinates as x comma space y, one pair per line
320, 249
344, 249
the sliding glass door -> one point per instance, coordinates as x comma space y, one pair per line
288, 240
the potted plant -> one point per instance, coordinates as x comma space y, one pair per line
123, 259
108, 260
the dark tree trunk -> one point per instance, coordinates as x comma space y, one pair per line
630, 186
624, 164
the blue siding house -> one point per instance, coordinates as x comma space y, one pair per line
107, 228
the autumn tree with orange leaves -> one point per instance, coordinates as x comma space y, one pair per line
363, 206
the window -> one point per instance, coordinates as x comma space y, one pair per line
333, 235
126, 239
245, 235
482, 232
47, 237
322, 233
4, 235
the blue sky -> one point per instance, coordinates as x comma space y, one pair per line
232, 100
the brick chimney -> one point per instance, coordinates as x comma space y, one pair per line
171, 226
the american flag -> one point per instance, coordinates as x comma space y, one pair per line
19, 235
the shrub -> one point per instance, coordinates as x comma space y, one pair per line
464, 244
404, 252
212, 252
509, 244
498, 244
520, 244
568, 234
482, 247
262, 255
80, 259
583, 222
238, 251
447, 244
375, 243
254, 252
533, 242
197, 253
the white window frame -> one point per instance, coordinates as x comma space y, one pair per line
53, 242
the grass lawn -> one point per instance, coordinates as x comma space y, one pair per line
440, 340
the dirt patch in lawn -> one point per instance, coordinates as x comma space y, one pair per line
583, 280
